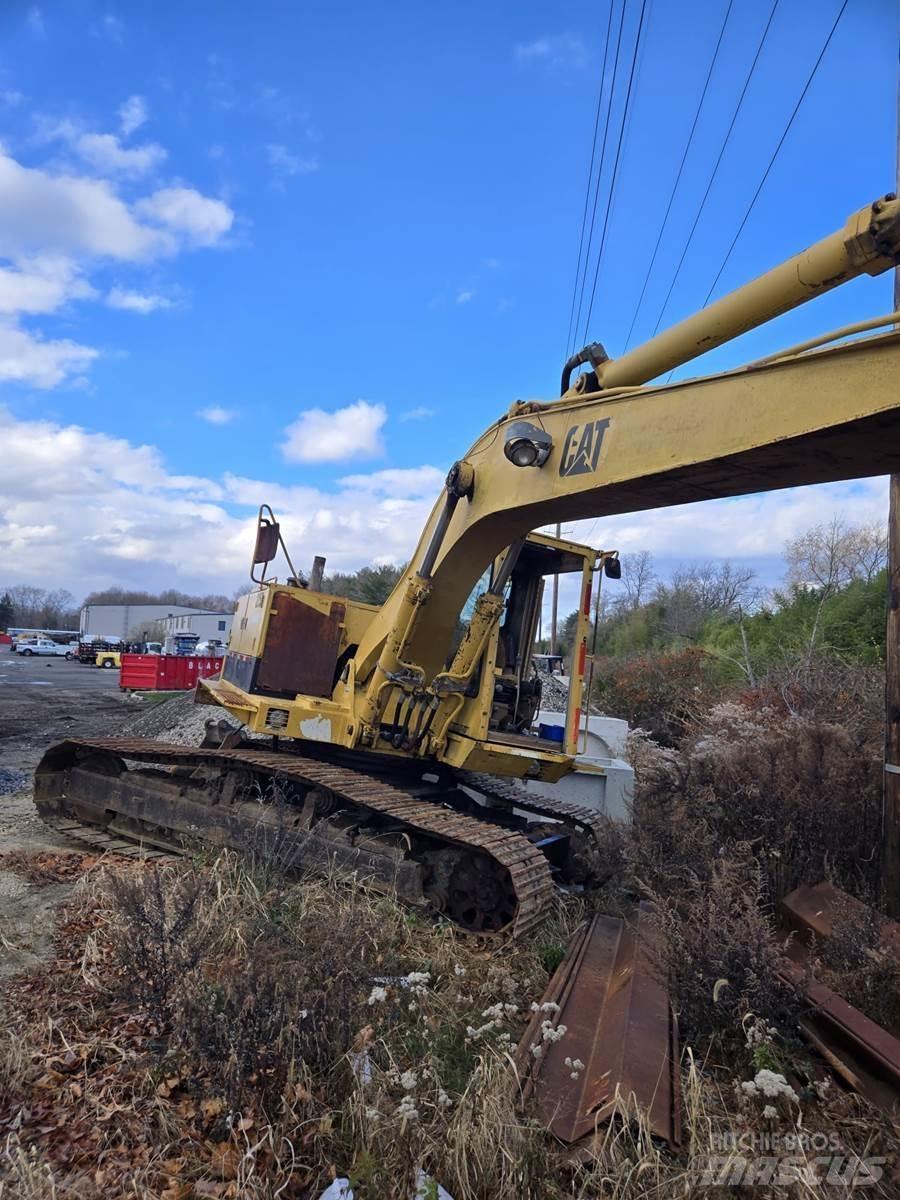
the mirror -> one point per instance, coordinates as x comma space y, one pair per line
612, 568
267, 537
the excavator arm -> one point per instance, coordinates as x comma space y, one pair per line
610, 445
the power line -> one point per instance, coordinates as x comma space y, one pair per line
687, 148
781, 142
587, 190
718, 163
615, 172
609, 100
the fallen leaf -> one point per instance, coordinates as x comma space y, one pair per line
224, 1158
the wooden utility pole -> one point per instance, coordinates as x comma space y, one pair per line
554, 611
891, 857
890, 872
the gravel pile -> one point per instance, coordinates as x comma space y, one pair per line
11, 781
178, 720
554, 693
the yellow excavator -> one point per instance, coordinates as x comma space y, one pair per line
395, 742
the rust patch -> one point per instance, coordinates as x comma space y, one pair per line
301, 649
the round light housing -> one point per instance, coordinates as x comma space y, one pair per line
521, 452
527, 445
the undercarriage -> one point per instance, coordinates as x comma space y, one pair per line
480, 851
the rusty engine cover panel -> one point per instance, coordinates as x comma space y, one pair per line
301, 648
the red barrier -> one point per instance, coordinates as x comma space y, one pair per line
5, 639
165, 672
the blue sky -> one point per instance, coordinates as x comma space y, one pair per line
254, 214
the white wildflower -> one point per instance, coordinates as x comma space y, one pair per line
769, 1112
443, 1099
459, 970
537, 1050
408, 1080
377, 995
406, 1109
549, 1034
417, 982
773, 1085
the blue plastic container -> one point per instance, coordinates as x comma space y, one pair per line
553, 733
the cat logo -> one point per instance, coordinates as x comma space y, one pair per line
581, 449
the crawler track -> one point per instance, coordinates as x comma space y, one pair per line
488, 878
511, 794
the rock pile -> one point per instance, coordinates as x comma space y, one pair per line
178, 720
11, 781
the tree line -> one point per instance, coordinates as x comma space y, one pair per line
28, 607
832, 600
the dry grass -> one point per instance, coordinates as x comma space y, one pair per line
113, 1097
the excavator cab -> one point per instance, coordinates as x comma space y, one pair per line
499, 726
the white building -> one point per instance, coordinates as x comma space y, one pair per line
124, 620
209, 626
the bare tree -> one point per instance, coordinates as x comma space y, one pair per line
37, 608
638, 578
703, 590
869, 550
829, 556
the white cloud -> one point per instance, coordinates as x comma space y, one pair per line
132, 114
186, 211
216, 415
36, 21
351, 432
747, 527
464, 295
555, 50
106, 511
285, 163
11, 98
405, 482
57, 225
41, 285
419, 413
29, 359
105, 153
138, 302
46, 213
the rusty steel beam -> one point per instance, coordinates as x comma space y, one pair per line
810, 912
863, 1054
619, 1024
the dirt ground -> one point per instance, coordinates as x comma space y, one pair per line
31, 719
